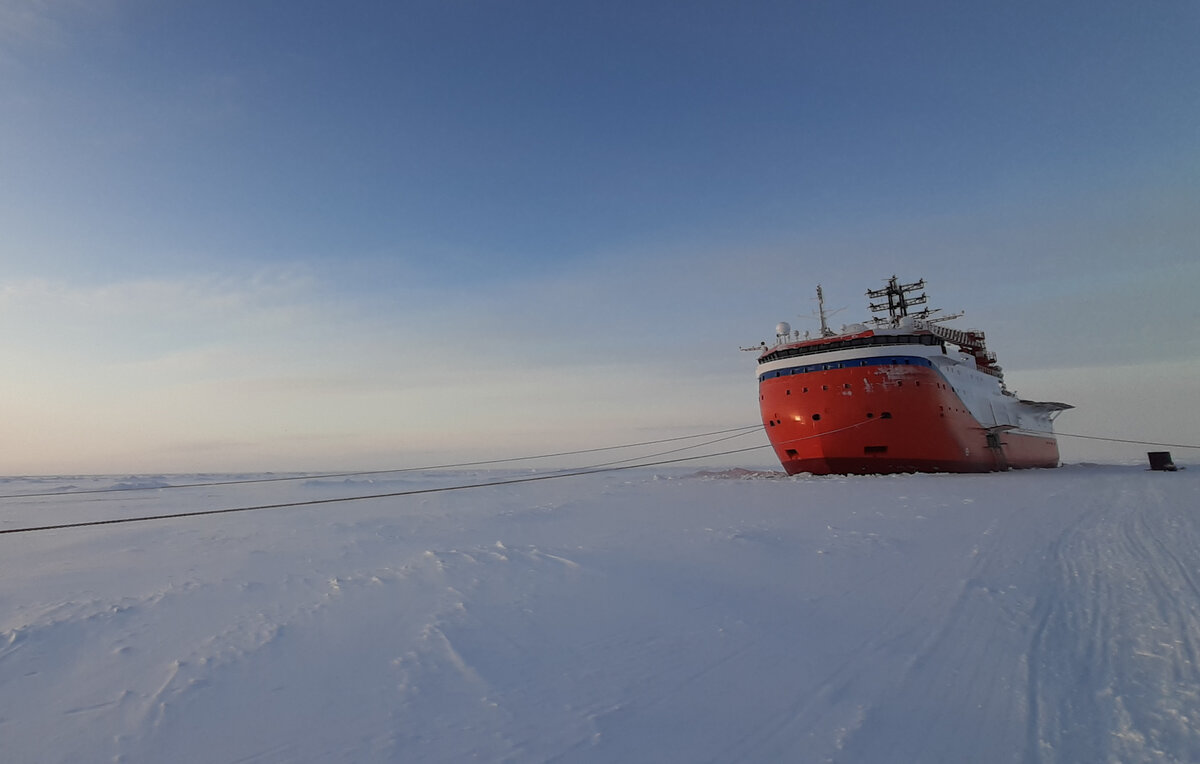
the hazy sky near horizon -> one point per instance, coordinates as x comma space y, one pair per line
247, 235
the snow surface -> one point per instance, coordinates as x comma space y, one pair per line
645, 616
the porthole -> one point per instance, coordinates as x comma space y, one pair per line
816, 417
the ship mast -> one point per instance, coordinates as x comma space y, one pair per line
898, 301
825, 330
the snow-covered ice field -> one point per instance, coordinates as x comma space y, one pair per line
640, 616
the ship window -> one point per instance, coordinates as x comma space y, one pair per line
793, 453
805, 390
845, 385
874, 449
886, 415
816, 417
824, 387
789, 392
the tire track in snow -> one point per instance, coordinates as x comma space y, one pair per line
1114, 646
929, 623
1055, 652
960, 682
826, 706
1044, 644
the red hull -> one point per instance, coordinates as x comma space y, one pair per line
886, 419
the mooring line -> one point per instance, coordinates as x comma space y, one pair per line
362, 473
390, 494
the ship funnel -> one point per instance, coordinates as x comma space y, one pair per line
782, 328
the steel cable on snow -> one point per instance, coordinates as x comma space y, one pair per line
579, 472
1118, 440
388, 495
325, 476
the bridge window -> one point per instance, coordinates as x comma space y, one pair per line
822, 347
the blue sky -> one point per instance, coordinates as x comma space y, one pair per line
244, 235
